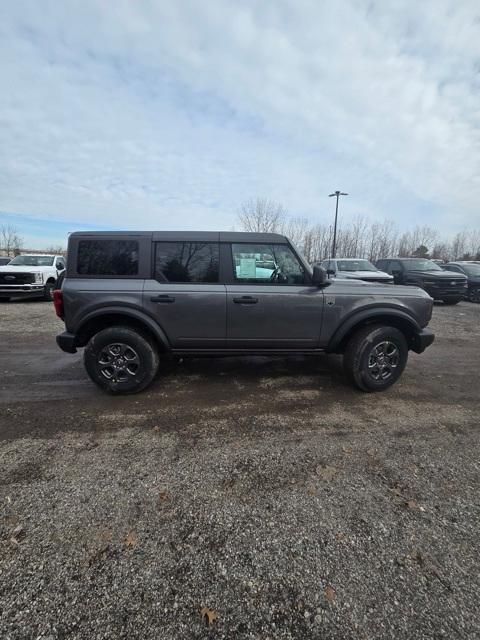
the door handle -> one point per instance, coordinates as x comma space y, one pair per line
245, 300
165, 299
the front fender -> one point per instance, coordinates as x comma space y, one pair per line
360, 317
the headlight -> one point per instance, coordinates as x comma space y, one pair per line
39, 278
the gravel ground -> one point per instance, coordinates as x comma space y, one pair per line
262, 495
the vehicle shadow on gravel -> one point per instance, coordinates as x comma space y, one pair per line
27, 301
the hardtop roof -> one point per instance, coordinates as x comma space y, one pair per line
193, 236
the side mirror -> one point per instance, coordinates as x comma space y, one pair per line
319, 277
330, 272
396, 272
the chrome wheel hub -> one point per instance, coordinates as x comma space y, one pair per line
383, 359
118, 362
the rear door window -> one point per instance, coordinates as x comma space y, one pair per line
186, 262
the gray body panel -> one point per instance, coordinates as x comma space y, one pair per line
285, 317
84, 297
346, 299
192, 315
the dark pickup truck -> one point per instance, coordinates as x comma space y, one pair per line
426, 274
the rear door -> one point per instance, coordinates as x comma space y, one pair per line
271, 303
185, 295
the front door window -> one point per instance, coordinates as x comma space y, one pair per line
267, 264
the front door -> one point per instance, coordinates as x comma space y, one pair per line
185, 295
270, 302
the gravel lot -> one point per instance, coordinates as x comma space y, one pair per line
266, 492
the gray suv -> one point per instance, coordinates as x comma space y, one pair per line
131, 298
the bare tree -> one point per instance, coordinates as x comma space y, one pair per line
10, 241
57, 249
262, 215
459, 245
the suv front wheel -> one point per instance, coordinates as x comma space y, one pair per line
121, 360
48, 291
375, 357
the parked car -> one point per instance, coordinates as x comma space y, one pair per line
420, 272
357, 269
30, 276
131, 298
4, 260
472, 271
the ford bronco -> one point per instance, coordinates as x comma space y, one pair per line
130, 298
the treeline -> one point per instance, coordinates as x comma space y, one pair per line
361, 238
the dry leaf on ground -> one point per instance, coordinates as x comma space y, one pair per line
17, 534
326, 473
329, 593
413, 504
130, 539
208, 616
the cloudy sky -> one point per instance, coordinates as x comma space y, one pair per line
155, 114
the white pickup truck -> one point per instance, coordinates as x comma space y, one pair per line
31, 275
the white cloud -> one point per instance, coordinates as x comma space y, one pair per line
170, 114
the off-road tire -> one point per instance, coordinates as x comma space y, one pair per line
452, 301
48, 291
97, 352
358, 355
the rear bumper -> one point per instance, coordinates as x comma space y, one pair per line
67, 342
422, 340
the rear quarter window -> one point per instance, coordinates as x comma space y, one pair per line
107, 257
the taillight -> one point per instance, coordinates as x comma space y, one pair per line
58, 303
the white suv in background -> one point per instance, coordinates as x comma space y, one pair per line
31, 275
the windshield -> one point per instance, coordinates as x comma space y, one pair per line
32, 261
471, 269
355, 265
423, 265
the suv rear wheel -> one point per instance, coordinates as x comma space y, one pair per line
375, 357
121, 360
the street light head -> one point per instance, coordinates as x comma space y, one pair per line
331, 194
344, 194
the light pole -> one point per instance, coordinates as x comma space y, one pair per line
334, 245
